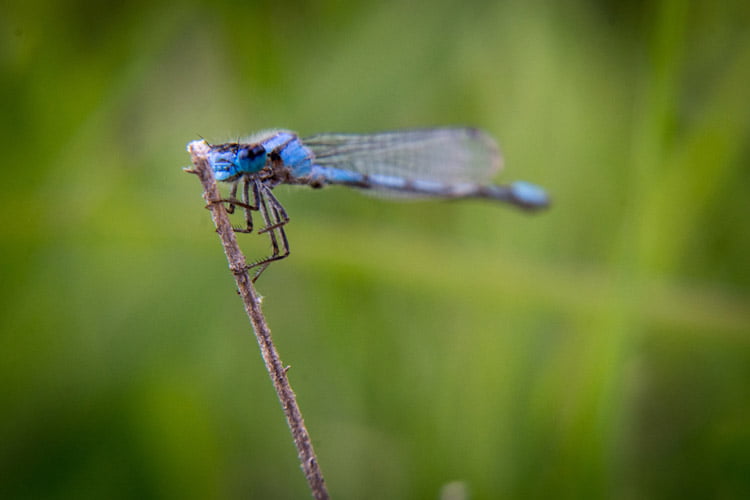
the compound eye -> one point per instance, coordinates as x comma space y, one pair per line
251, 153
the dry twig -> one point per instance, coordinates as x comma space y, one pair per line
238, 265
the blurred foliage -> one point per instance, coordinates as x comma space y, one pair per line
599, 350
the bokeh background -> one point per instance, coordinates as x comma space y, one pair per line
598, 350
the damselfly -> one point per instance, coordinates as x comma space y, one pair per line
439, 163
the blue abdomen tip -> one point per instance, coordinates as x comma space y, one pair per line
530, 194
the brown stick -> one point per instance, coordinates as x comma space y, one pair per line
237, 264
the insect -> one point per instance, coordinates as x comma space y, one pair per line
446, 163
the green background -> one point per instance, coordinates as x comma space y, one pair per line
598, 350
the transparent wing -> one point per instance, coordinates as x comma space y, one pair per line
444, 154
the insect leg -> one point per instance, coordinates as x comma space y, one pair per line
274, 217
